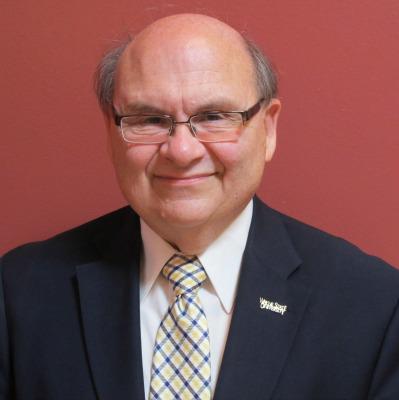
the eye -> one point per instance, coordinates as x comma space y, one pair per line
210, 117
146, 124
218, 118
147, 121
152, 120
213, 117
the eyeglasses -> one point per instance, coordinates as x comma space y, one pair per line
209, 126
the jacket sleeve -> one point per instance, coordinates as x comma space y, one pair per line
5, 374
385, 382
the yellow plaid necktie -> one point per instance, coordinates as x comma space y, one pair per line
181, 365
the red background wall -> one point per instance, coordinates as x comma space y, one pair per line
337, 164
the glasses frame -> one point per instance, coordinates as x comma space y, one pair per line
246, 115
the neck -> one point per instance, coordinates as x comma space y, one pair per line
192, 240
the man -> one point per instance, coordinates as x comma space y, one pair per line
285, 311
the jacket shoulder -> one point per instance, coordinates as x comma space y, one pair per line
329, 258
337, 258
69, 247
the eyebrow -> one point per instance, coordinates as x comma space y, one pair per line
218, 105
141, 108
214, 105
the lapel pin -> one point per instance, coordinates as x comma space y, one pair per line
272, 306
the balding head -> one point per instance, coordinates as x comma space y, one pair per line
178, 32
179, 53
189, 24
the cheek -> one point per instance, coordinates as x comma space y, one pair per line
226, 153
131, 162
244, 158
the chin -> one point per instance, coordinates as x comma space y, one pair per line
188, 213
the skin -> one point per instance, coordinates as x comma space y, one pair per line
187, 191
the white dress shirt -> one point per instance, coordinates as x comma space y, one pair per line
222, 263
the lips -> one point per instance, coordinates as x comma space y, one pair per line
184, 179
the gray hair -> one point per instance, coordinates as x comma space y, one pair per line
104, 77
265, 74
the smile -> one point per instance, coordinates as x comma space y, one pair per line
184, 180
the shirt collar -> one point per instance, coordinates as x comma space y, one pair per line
221, 260
156, 252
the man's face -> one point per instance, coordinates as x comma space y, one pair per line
182, 183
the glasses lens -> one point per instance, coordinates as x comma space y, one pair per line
217, 127
145, 128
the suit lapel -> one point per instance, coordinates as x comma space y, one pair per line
260, 339
109, 300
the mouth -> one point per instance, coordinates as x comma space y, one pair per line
176, 180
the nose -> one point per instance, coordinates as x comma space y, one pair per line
182, 147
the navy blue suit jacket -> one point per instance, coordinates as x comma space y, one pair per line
70, 324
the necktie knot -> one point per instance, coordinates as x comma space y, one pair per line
186, 273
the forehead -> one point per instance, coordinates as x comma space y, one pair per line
185, 66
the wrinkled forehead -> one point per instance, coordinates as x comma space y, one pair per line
185, 55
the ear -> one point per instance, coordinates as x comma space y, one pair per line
270, 122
